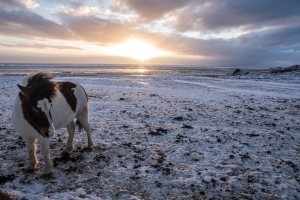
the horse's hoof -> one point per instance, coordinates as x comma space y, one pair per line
86, 149
27, 171
89, 149
65, 154
48, 176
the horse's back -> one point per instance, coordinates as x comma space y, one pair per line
70, 100
74, 94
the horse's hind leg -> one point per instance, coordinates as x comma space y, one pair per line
83, 118
31, 149
71, 130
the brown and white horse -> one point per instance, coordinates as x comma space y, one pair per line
43, 106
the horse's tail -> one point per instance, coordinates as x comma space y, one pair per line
84, 92
79, 125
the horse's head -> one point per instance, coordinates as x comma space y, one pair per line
36, 105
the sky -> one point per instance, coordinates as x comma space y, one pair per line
237, 33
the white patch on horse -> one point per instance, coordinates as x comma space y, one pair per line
61, 119
46, 108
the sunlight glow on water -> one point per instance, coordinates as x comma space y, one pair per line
105, 70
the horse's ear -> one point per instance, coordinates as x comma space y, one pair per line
27, 91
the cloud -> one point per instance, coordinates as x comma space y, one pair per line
220, 14
94, 29
29, 24
228, 52
91, 11
39, 46
283, 36
20, 4
214, 16
83, 10
67, 3
31, 5
149, 10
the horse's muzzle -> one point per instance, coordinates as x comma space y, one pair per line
49, 134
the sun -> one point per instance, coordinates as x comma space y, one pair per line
137, 49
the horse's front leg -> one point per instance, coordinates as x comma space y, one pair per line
31, 149
45, 150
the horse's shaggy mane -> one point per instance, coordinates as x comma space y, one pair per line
43, 85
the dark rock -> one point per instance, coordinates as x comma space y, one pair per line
245, 156
253, 134
158, 184
223, 179
166, 170
65, 157
20, 164
158, 131
5, 196
178, 118
239, 72
101, 157
135, 177
252, 179
162, 130
287, 69
136, 166
6, 178
187, 126
70, 169
156, 166
297, 178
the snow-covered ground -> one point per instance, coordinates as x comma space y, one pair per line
168, 137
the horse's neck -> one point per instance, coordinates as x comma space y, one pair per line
29, 114
25, 105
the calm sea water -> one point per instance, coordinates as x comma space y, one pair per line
105, 70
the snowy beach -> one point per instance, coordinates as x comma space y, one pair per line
168, 136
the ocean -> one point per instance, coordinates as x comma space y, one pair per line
110, 69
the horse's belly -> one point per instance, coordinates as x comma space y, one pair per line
61, 112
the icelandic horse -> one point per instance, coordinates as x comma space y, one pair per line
41, 107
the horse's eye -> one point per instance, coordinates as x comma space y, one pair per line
36, 108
